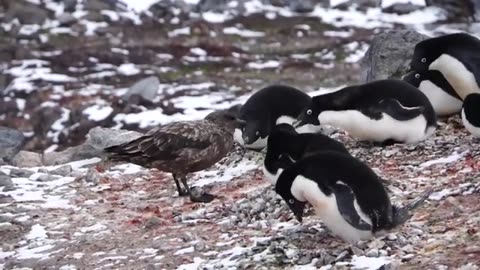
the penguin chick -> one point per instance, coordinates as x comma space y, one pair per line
384, 111
263, 110
285, 146
181, 148
346, 194
440, 93
471, 114
455, 56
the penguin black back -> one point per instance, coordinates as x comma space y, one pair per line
327, 169
262, 110
366, 97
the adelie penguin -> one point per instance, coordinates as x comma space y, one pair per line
455, 56
440, 93
345, 193
266, 108
384, 111
471, 114
181, 148
285, 146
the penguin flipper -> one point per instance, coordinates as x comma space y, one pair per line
345, 203
395, 109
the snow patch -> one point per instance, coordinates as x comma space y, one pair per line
450, 159
98, 112
264, 65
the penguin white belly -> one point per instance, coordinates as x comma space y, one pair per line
272, 177
285, 119
461, 79
326, 208
442, 102
363, 127
237, 136
471, 128
308, 128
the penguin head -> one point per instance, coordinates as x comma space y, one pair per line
253, 131
414, 78
471, 109
284, 189
280, 149
426, 52
308, 117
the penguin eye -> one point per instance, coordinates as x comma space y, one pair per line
309, 112
291, 201
424, 60
257, 133
417, 76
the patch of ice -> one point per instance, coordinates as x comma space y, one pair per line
33, 253
180, 31
198, 51
369, 263
387, 3
184, 251
98, 112
91, 27
213, 17
68, 267
242, 32
437, 196
37, 232
128, 69
264, 65
452, 158
208, 177
127, 168
197, 261
139, 5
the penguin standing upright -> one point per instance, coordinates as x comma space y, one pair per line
263, 110
440, 93
471, 114
285, 146
455, 56
385, 111
347, 195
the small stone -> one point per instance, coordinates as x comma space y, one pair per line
408, 249
92, 176
27, 159
21, 172
357, 251
327, 259
342, 256
472, 249
5, 180
146, 88
305, 259
45, 178
200, 246
372, 253
63, 170
383, 253
152, 222
377, 243
392, 237
66, 19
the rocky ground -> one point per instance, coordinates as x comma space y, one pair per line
69, 66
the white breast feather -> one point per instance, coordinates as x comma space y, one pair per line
442, 102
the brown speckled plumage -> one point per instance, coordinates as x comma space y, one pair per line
181, 147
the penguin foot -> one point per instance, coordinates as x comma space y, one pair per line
204, 198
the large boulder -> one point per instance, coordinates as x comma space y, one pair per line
146, 88
98, 138
26, 13
389, 55
27, 159
11, 141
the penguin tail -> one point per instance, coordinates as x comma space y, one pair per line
402, 214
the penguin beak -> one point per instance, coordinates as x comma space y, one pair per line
297, 208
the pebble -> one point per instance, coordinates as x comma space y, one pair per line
63, 170
342, 256
200, 246
5, 181
305, 259
372, 253
152, 222
357, 251
46, 178
392, 237
472, 249
20, 172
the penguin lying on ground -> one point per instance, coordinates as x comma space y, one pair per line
181, 148
471, 114
445, 101
385, 111
263, 110
346, 194
285, 146
455, 56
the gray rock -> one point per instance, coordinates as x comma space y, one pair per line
46, 178
305, 259
100, 4
457, 10
63, 170
69, 5
301, 6
27, 159
21, 172
6, 182
359, 4
389, 55
401, 8
92, 176
26, 13
372, 253
11, 142
98, 138
66, 19
152, 222
146, 88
